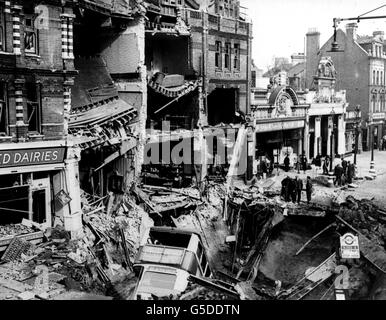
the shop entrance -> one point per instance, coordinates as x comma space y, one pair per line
41, 201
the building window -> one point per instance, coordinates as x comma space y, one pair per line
2, 29
30, 35
373, 77
218, 55
3, 109
377, 77
373, 101
236, 58
33, 107
227, 56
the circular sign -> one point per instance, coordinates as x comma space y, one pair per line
349, 238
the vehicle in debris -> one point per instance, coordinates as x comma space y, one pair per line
166, 258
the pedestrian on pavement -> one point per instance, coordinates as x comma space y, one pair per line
299, 188
309, 189
292, 190
338, 171
286, 185
304, 163
318, 160
264, 168
326, 164
349, 173
344, 165
286, 163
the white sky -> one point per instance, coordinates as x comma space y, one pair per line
279, 26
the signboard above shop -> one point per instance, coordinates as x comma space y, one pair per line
28, 157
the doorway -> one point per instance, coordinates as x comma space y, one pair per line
40, 201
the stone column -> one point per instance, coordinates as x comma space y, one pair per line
21, 127
306, 136
67, 104
329, 134
341, 135
317, 142
73, 213
300, 142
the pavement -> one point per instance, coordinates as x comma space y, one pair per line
373, 189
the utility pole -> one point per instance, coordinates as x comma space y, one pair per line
357, 126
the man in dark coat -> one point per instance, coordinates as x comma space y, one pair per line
318, 160
304, 163
292, 190
299, 188
309, 189
338, 171
349, 173
285, 188
286, 163
344, 166
326, 165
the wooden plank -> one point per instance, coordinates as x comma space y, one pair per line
15, 285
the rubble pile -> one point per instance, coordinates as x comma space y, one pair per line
366, 217
97, 262
14, 229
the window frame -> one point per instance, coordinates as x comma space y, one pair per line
236, 57
35, 34
2, 29
228, 56
4, 107
38, 104
218, 55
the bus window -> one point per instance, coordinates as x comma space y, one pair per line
158, 280
203, 263
199, 252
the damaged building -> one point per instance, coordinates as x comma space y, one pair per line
38, 164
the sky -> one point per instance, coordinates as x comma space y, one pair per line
280, 26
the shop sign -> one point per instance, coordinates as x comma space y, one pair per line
28, 157
349, 246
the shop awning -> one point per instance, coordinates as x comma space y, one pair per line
104, 122
174, 92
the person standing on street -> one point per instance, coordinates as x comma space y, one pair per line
326, 164
344, 166
286, 163
304, 163
349, 173
309, 189
293, 184
299, 188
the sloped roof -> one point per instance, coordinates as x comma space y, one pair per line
296, 69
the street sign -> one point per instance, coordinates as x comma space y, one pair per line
349, 246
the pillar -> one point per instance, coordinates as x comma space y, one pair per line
341, 135
317, 142
67, 36
306, 137
16, 37
7, 7
72, 215
300, 142
67, 104
329, 134
21, 127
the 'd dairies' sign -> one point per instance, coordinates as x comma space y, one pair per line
27, 157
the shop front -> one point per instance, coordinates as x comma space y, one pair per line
38, 183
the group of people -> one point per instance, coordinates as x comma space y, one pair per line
301, 163
344, 173
291, 189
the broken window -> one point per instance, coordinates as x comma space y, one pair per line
33, 107
2, 29
227, 56
236, 59
3, 109
30, 35
218, 54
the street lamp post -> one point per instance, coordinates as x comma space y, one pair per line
372, 163
357, 125
332, 139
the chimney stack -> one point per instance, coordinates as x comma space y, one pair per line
351, 30
312, 55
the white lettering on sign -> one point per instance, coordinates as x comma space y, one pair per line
31, 157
